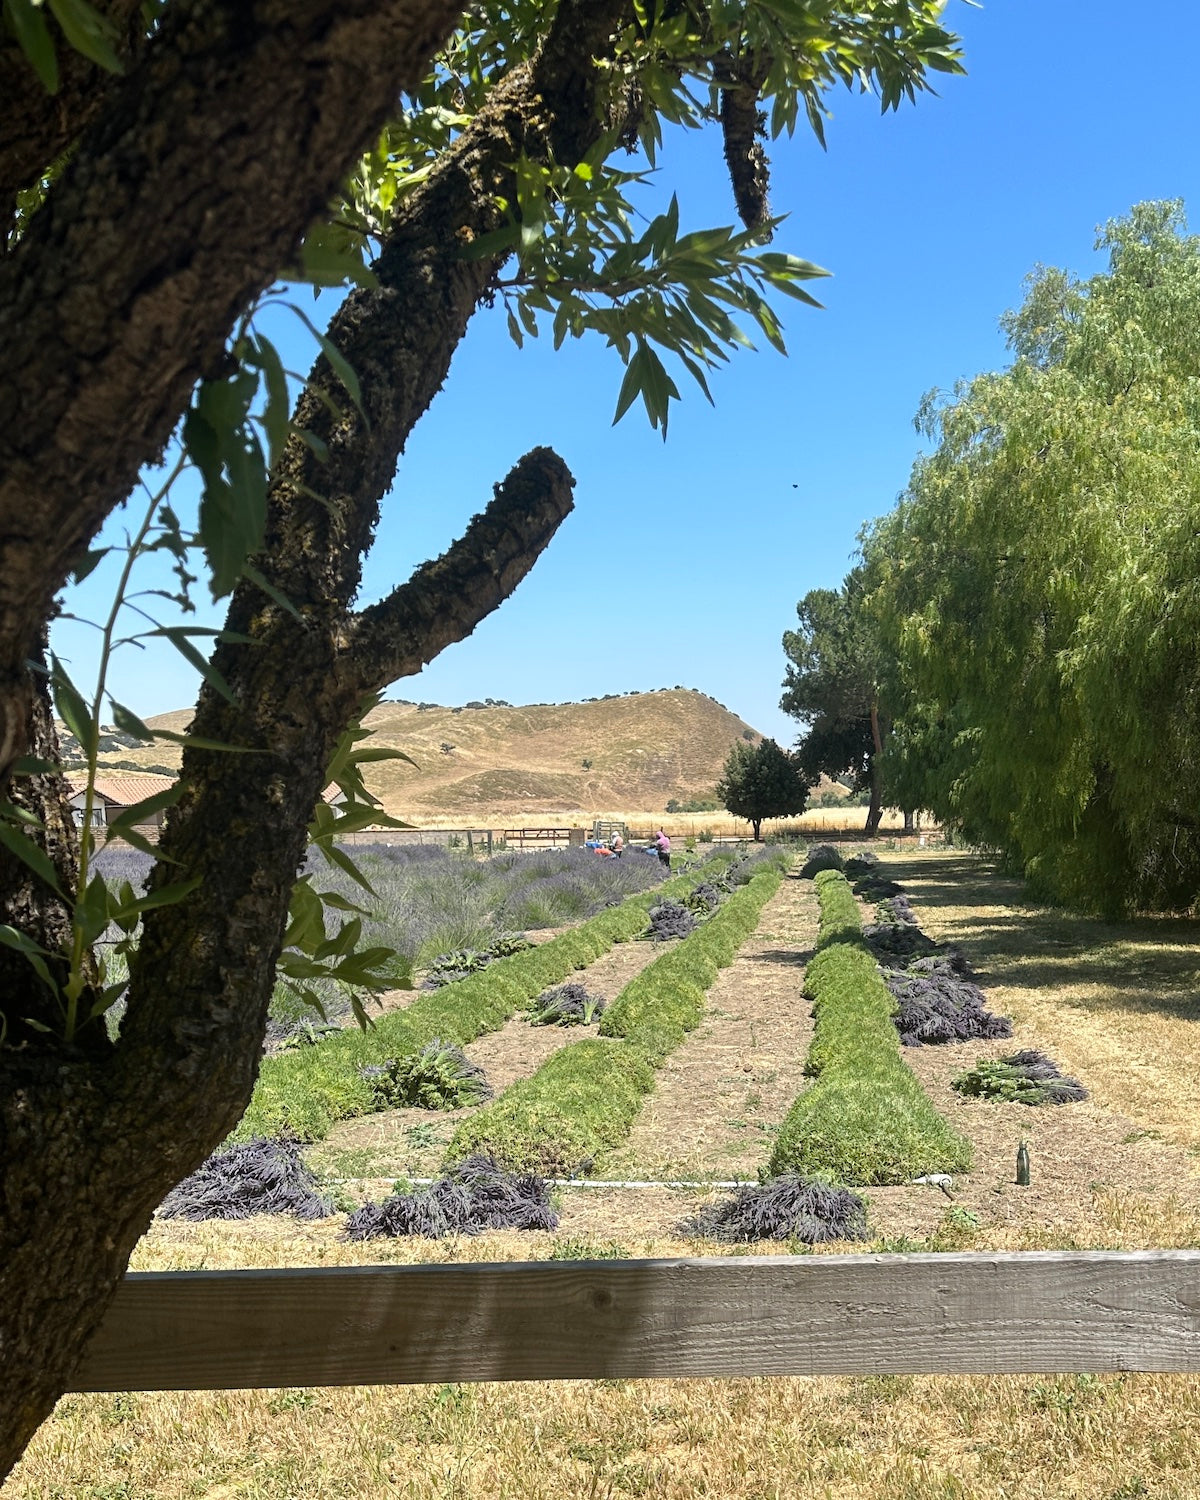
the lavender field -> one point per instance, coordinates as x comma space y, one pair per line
431, 900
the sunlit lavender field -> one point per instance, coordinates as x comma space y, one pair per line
430, 900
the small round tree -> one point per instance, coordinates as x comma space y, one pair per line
762, 781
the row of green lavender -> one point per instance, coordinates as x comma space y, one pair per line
865, 1119
304, 1091
585, 1098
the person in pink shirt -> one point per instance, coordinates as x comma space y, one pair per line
663, 844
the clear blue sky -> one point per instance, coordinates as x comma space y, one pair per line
683, 562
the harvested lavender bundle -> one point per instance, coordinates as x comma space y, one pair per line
948, 960
703, 899
446, 968
440, 1076
670, 920
896, 911
889, 941
472, 1197
789, 1207
865, 863
1027, 1077
941, 1007
566, 1005
258, 1176
875, 888
820, 857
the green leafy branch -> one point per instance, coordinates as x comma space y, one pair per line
79, 24
309, 952
583, 264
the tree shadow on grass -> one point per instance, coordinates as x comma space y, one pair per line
1146, 965
796, 958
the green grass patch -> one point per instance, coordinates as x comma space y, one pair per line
865, 1121
584, 1099
306, 1091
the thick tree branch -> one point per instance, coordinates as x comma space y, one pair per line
201, 982
400, 337
745, 155
181, 202
36, 127
444, 600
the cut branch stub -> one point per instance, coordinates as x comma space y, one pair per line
444, 600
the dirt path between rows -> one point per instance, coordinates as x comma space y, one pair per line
719, 1098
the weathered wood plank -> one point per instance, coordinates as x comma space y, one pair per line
779, 1315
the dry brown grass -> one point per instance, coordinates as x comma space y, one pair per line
1118, 1003
875, 1438
1114, 1004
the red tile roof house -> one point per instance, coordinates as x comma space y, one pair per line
114, 792
117, 790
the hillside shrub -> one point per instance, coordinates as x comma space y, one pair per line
1027, 1077
439, 1076
258, 1176
474, 1196
788, 1207
585, 1098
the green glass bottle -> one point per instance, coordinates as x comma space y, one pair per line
1022, 1165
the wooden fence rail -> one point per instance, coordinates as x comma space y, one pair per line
1046, 1311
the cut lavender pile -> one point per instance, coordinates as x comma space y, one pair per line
704, 898
889, 941
472, 1197
448, 967
789, 1207
938, 1005
936, 1000
1027, 1077
440, 1076
566, 1005
670, 920
820, 857
258, 1176
896, 911
875, 888
865, 863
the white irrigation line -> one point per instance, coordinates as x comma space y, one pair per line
935, 1179
580, 1182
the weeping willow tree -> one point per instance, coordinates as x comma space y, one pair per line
1040, 581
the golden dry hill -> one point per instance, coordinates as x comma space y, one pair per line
501, 762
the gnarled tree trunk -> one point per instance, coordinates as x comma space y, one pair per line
93, 1135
